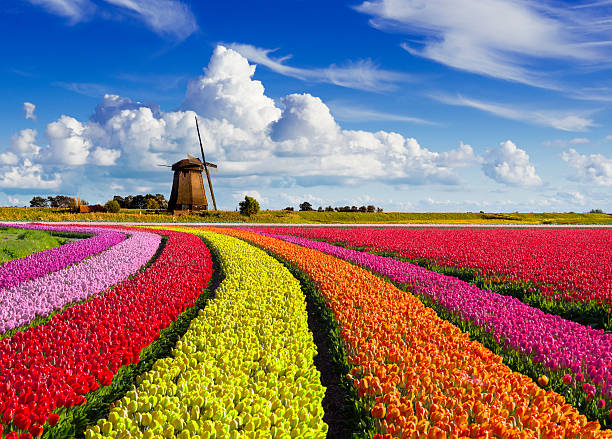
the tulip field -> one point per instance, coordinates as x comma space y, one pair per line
226, 332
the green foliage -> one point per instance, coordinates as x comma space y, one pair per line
249, 206
151, 203
112, 206
19, 243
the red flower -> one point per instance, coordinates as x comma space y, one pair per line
22, 422
25, 436
11, 435
35, 430
53, 418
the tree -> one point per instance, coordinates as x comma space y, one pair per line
354, 209
61, 201
163, 203
128, 201
596, 211
305, 206
363, 209
289, 209
112, 206
248, 207
138, 202
379, 209
371, 208
120, 201
329, 209
152, 203
39, 202
320, 209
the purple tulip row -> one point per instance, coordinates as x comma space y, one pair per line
19, 305
39, 264
550, 340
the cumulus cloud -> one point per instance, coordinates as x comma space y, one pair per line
28, 176
510, 165
589, 168
28, 109
361, 75
228, 92
252, 139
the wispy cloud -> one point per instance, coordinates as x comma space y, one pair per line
561, 143
84, 88
346, 112
550, 118
168, 18
503, 39
361, 75
74, 10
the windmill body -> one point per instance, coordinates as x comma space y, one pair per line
188, 185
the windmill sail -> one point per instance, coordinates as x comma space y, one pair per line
212, 194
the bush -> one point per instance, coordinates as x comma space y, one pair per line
112, 206
249, 206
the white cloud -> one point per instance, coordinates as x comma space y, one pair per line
361, 75
227, 92
253, 141
23, 143
168, 18
550, 118
165, 17
497, 38
565, 143
28, 176
74, 10
510, 165
355, 113
609, 137
28, 109
573, 197
590, 168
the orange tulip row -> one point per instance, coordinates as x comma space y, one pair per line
421, 375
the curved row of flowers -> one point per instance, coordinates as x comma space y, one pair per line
421, 374
49, 368
244, 368
550, 340
565, 264
40, 297
39, 264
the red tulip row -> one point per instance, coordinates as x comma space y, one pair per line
51, 367
565, 264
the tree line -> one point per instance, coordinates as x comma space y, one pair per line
148, 201
306, 206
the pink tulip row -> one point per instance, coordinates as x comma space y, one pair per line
566, 264
42, 263
20, 304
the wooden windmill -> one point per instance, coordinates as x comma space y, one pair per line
188, 192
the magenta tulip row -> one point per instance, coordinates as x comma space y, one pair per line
40, 297
549, 339
42, 263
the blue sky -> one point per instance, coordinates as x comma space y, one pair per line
412, 105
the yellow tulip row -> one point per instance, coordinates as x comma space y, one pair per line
243, 369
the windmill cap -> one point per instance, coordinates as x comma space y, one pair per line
189, 163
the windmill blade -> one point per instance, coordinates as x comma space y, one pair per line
212, 194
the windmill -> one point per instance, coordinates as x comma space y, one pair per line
188, 192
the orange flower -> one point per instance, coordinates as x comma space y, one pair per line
379, 411
543, 381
